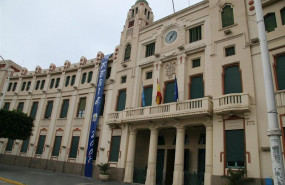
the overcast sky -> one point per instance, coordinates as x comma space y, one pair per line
40, 32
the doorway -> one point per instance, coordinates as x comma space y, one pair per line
170, 166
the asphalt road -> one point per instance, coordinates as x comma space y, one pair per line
31, 176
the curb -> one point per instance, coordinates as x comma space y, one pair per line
11, 181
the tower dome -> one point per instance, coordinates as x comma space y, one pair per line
141, 1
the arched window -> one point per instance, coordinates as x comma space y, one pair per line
57, 82
127, 52
43, 84
73, 80
83, 79
282, 12
270, 22
10, 86
90, 74
51, 83
232, 79
23, 86
37, 85
227, 16
28, 85
67, 81
14, 86
280, 72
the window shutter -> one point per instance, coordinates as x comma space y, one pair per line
41, 143
6, 106
197, 87
67, 81
95, 147
74, 147
56, 146
148, 96
73, 80
43, 84
25, 145
169, 92
102, 105
14, 86
235, 153
81, 107
64, 109
195, 34
280, 71
270, 22
90, 74
49, 109
232, 80
51, 83
57, 82
83, 79
227, 16
150, 49
127, 52
37, 85
115, 148
9, 146
34, 110
121, 100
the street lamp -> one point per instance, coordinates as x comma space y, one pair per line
6, 84
273, 131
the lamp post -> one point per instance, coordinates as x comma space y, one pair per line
6, 84
273, 131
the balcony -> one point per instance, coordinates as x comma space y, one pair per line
280, 98
236, 103
186, 109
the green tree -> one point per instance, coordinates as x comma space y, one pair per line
15, 125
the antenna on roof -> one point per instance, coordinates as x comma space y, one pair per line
173, 6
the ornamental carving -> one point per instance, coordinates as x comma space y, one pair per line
170, 69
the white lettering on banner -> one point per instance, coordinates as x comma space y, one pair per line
102, 73
93, 134
97, 101
103, 65
94, 118
100, 82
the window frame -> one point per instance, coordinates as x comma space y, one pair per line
229, 47
14, 86
127, 54
265, 21
194, 60
190, 82
224, 72
274, 69
152, 52
90, 75
57, 82
83, 78
67, 80
73, 79
146, 75
118, 95
221, 16
82, 115
37, 84
123, 79
51, 83
199, 36
63, 115
23, 86
164, 90
47, 105
42, 84
282, 10
145, 87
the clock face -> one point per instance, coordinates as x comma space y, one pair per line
171, 37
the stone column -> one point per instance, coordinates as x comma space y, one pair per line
129, 172
178, 174
209, 154
151, 169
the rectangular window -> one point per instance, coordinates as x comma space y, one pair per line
148, 96
34, 109
64, 108
67, 81
74, 147
56, 146
121, 102
123, 79
150, 49
48, 109
195, 34
280, 71
149, 75
20, 107
6, 106
23, 86
73, 80
25, 145
28, 85
108, 72
196, 87
196, 63
57, 82
282, 12
95, 147
83, 78
235, 155
14, 86
41, 144
229, 51
232, 80
10, 86
90, 74
81, 107
169, 92
227, 16
38, 85
9, 145
115, 148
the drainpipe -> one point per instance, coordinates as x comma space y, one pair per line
273, 131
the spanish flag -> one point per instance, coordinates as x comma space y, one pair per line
158, 94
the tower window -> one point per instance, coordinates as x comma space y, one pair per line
131, 23
128, 52
227, 16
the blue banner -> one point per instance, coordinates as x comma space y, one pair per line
95, 115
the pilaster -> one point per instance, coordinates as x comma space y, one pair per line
181, 70
129, 172
178, 174
209, 153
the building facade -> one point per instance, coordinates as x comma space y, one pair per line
218, 122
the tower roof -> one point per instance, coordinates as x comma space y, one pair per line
141, 1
